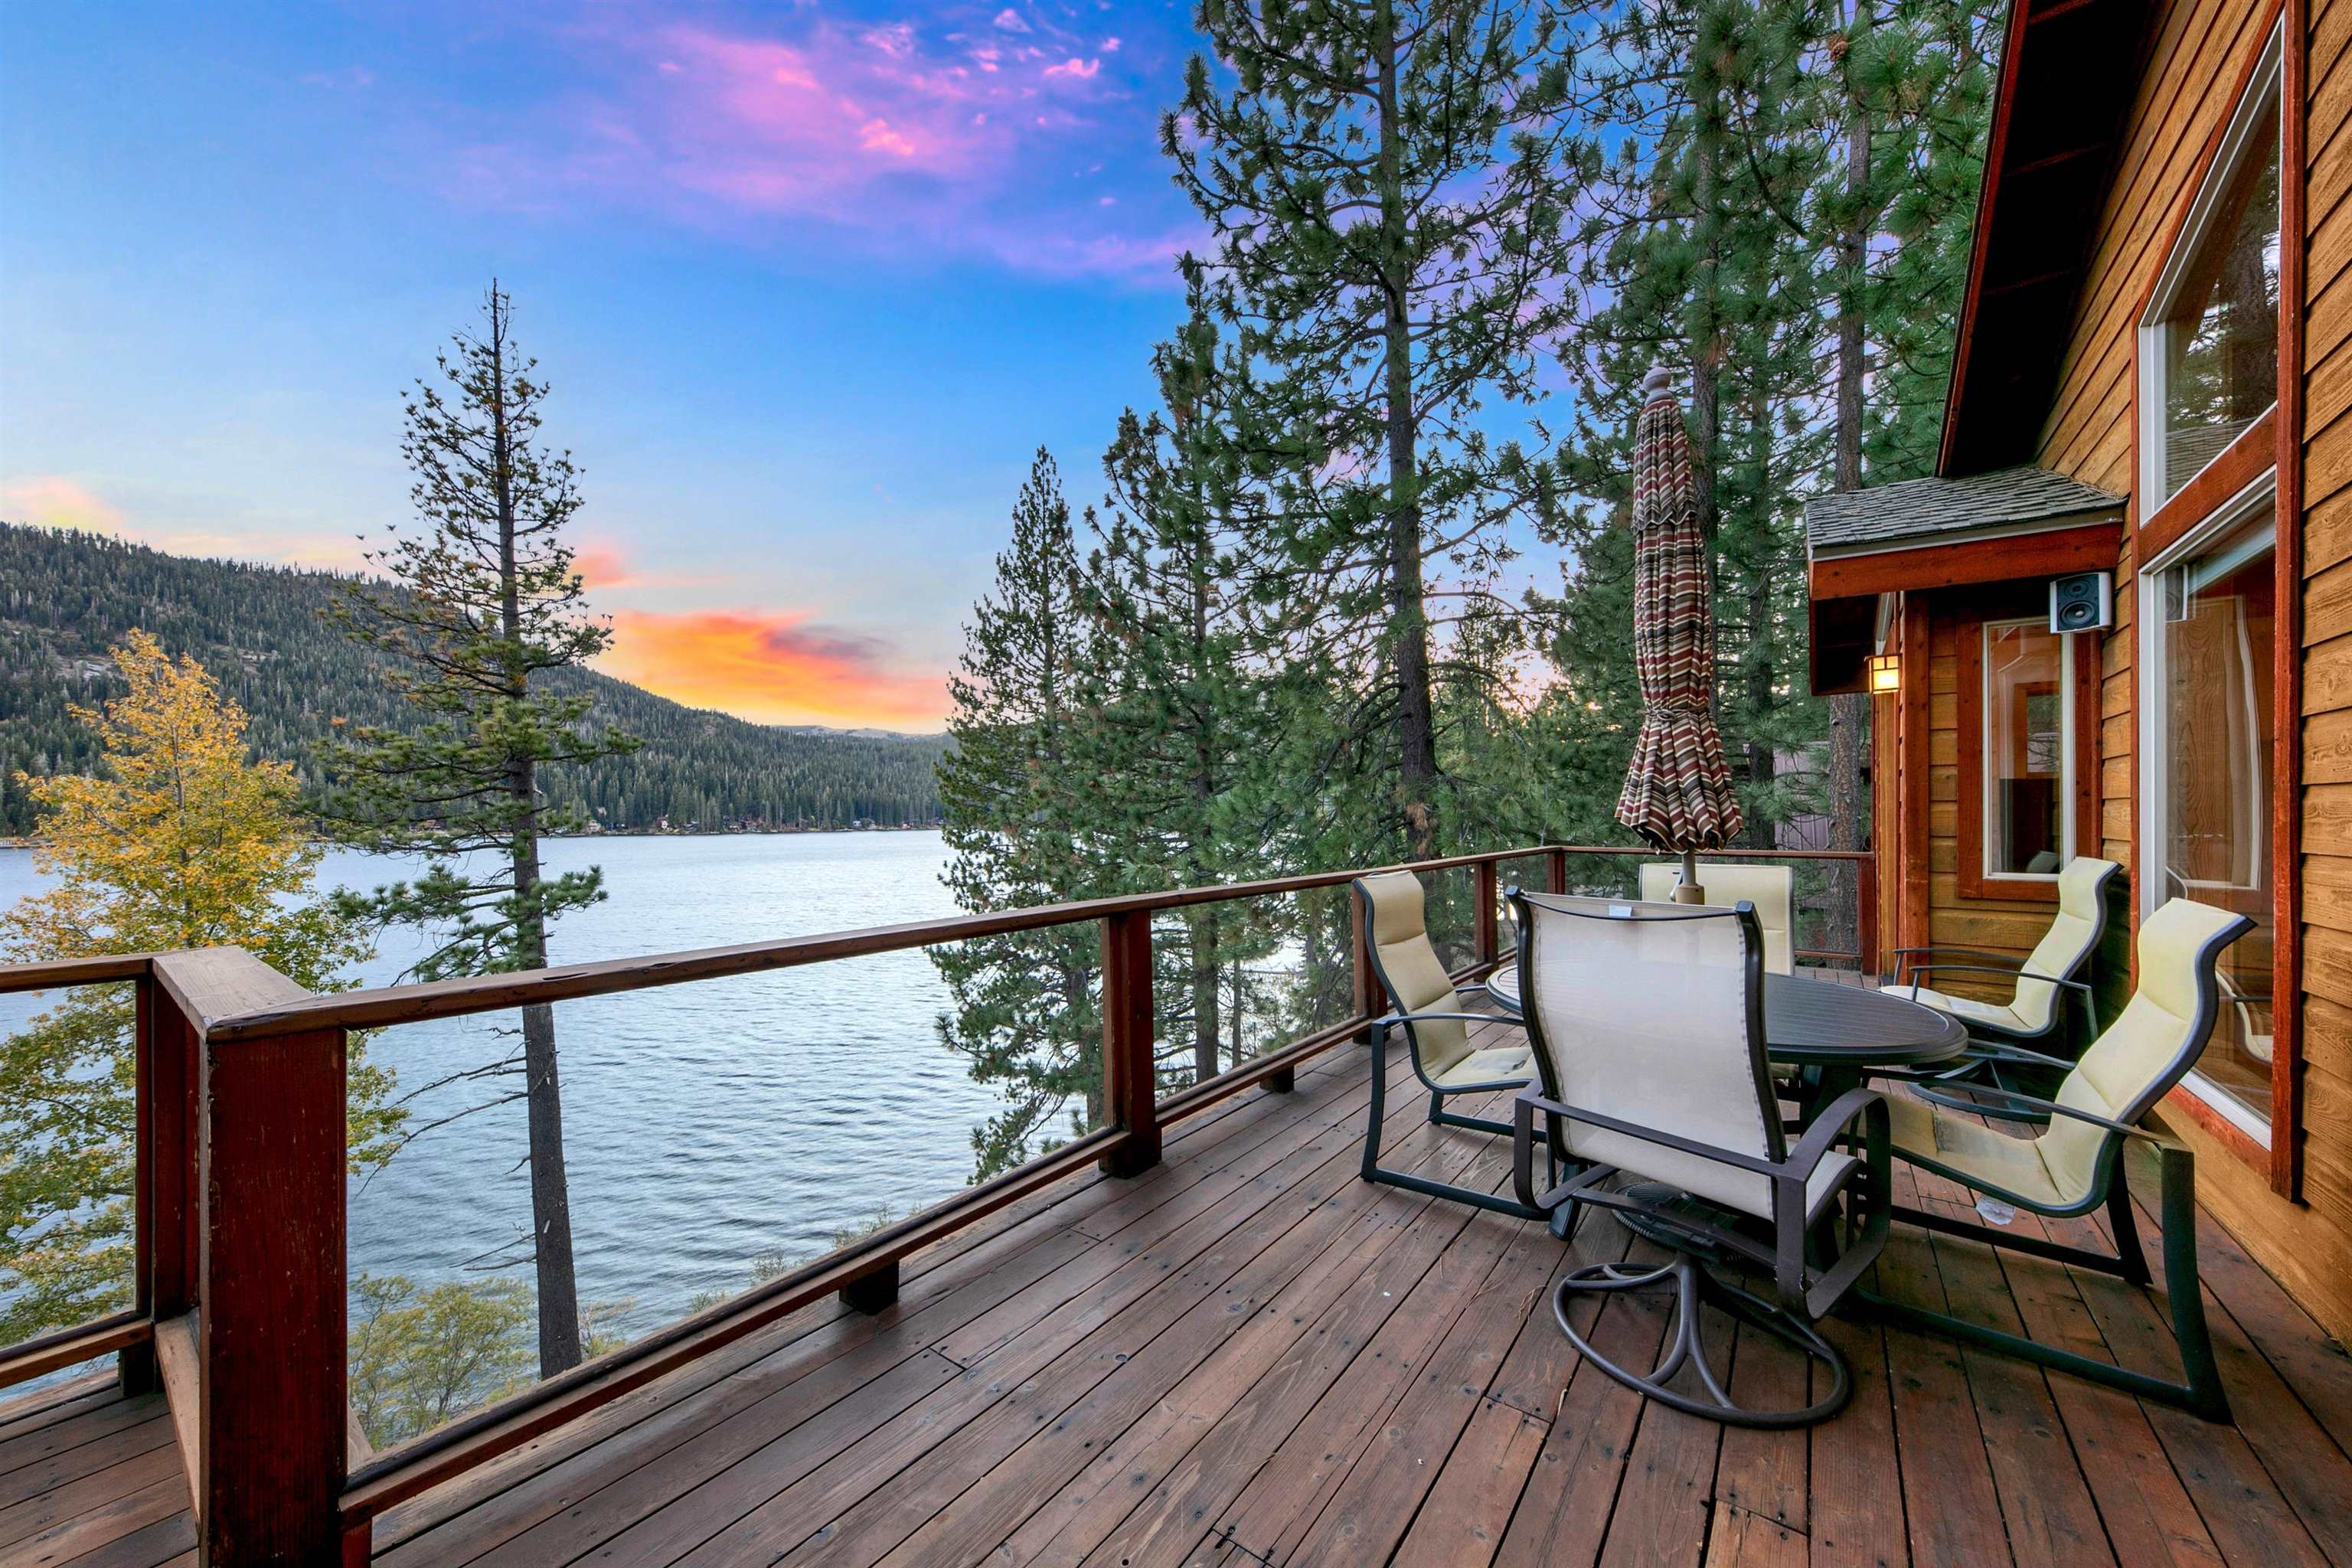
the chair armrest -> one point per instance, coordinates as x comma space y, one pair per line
1832, 1122
1919, 969
1442, 1017
2030, 1102
1962, 951
2002, 1051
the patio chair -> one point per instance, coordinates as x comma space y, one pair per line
1771, 888
2001, 1032
1426, 1006
1648, 1026
2076, 1165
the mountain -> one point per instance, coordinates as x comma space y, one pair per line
65, 597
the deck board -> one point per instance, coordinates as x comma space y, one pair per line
1249, 1357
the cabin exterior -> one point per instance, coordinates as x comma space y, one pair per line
2152, 382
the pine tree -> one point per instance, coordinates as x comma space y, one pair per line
1018, 796
1383, 180
1179, 700
486, 609
180, 839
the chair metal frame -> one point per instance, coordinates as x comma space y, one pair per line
1373, 1171
1810, 1273
2199, 1392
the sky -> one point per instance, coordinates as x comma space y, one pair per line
812, 282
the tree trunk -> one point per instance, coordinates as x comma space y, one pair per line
1850, 714
1416, 726
551, 1192
1207, 1031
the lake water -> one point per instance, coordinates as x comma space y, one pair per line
704, 1124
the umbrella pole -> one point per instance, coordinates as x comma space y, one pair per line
1688, 891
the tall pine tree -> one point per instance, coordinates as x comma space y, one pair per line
1383, 180
488, 606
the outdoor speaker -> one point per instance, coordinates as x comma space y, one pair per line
2082, 603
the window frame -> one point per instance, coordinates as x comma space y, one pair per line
2147, 654
2078, 778
2265, 85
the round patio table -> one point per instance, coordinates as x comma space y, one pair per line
1834, 1034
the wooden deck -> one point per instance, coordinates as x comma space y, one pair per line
1248, 1356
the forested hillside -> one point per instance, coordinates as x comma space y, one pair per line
65, 597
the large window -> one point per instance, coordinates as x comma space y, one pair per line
2210, 345
2210, 729
2029, 750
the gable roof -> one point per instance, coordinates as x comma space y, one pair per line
1937, 509
2070, 70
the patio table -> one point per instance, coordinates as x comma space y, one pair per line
1832, 1033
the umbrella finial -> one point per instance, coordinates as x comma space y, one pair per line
1658, 383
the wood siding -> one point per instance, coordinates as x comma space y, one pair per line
2202, 52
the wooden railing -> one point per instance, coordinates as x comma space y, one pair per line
239, 1304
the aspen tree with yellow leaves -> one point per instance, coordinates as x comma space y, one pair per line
182, 840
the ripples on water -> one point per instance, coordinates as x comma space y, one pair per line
704, 1124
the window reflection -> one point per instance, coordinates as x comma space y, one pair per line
2221, 336
2215, 660
2025, 750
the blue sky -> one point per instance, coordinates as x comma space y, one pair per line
812, 282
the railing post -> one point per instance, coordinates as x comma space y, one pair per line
1486, 895
271, 1317
135, 1365
167, 1181
1556, 872
1130, 1088
266, 1277
1866, 904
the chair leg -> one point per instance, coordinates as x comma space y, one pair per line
1373, 1171
2199, 1392
1694, 1290
2128, 1252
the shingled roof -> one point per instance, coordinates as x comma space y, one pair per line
1920, 512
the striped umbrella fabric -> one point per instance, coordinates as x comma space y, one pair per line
1677, 792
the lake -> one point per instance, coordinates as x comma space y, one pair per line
704, 1124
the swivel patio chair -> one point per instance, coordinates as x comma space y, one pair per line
2076, 1165
2001, 1032
1771, 888
1648, 1026
1426, 1006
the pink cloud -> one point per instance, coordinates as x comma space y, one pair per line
54, 501
898, 133
771, 667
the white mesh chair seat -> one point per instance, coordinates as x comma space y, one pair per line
1773, 889
1647, 1021
1495, 1064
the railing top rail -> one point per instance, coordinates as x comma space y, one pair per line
495, 992
413, 1004
58, 974
1716, 854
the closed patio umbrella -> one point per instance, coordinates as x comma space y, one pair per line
1677, 792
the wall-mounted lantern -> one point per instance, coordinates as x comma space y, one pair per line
1885, 673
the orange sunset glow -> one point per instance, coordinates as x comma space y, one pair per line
772, 669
